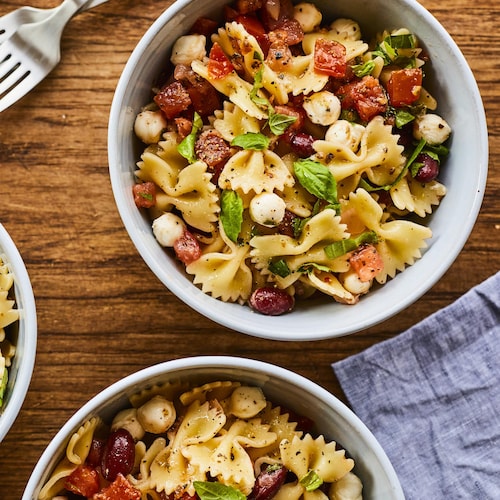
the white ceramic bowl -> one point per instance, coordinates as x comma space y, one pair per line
24, 335
449, 79
332, 418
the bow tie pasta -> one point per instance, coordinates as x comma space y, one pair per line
295, 159
221, 437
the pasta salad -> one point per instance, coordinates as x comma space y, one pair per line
287, 157
221, 440
8, 316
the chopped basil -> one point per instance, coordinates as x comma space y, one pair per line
3, 385
257, 85
278, 123
217, 491
418, 149
309, 267
311, 481
317, 179
388, 50
231, 214
342, 247
186, 147
364, 69
403, 117
251, 140
280, 267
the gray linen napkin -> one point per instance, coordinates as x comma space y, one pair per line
431, 396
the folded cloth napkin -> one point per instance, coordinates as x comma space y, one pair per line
431, 396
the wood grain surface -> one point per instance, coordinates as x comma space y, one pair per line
102, 314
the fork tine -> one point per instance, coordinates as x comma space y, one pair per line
14, 74
22, 87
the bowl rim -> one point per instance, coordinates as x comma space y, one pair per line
27, 342
139, 379
273, 329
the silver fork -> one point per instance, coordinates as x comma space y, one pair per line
32, 50
10, 22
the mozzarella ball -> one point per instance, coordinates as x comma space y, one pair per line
346, 27
322, 108
308, 16
149, 125
432, 128
127, 419
168, 228
188, 48
157, 415
348, 487
267, 209
351, 282
346, 133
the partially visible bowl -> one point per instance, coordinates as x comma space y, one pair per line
332, 418
22, 334
449, 78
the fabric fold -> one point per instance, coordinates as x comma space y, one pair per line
431, 396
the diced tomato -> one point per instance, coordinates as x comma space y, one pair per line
204, 26
187, 248
144, 194
119, 489
366, 96
366, 262
298, 113
83, 481
404, 86
219, 64
330, 58
173, 99
292, 29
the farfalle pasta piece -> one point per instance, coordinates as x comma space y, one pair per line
225, 274
231, 121
79, 444
7, 312
255, 171
295, 491
354, 47
212, 390
302, 78
417, 197
169, 390
301, 455
145, 459
379, 155
235, 88
57, 479
238, 43
399, 242
329, 284
189, 189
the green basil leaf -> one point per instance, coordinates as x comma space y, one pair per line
186, 147
217, 491
231, 214
347, 245
257, 85
403, 117
311, 481
317, 179
364, 69
278, 123
3, 385
251, 140
280, 268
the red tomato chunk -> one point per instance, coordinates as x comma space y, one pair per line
404, 86
366, 262
119, 489
144, 194
187, 248
83, 481
219, 64
330, 58
173, 99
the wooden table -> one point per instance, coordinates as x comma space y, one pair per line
102, 314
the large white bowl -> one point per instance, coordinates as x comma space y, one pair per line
449, 79
333, 419
24, 333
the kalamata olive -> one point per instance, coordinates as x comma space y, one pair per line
271, 301
286, 225
119, 455
268, 483
301, 144
95, 453
429, 169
